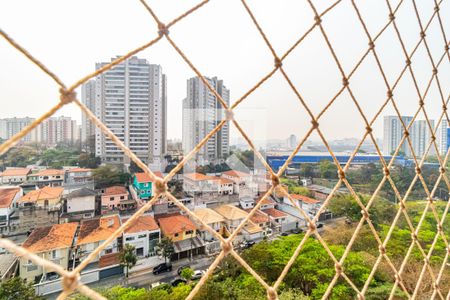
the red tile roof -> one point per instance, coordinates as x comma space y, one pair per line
258, 217
95, 230
197, 176
304, 199
143, 223
16, 172
45, 193
7, 195
51, 237
115, 190
145, 177
175, 224
267, 201
235, 173
49, 172
274, 213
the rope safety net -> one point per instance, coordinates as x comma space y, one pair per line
70, 279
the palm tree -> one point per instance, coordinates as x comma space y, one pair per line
128, 258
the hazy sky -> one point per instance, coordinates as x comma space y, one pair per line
221, 40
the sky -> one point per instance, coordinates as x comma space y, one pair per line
220, 39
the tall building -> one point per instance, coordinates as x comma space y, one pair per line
443, 139
393, 133
201, 114
420, 134
292, 141
131, 99
87, 127
57, 130
11, 126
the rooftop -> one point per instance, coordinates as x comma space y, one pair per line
252, 228
79, 170
115, 190
95, 230
44, 193
143, 223
208, 215
145, 177
7, 196
51, 237
197, 176
258, 217
49, 172
304, 199
16, 172
83, 192
235, 173
267, 201
274, 213
231, 212
175, 224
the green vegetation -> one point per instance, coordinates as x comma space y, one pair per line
165, 248
17, 289
108, 175
187, 273
128, 258
294, 187
162, 292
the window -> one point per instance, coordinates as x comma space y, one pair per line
108, 251
111, 198
130, 238
175, 235
142, 236
122, 197
189, 232
54, 254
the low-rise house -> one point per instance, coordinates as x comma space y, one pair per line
14, 175
47, 177
144, 235
76, 178
242, 182
233, 216
267, 202
277, 217
112, 197
143, 185
53, 243
80, 204
200, 183
46, 197
8, 203
309, 205
211, 218
260, 219
94, 232
246, 202
183, 233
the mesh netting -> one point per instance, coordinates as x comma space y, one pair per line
70, 279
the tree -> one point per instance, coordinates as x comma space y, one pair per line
128, 257
187, 273
88, 160
165, 248
108, 175
327, 169
17, 289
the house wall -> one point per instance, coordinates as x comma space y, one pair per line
142, 240
7, 211
81, 204
113, 201
85, 249
13, 179
182, 236
29, 271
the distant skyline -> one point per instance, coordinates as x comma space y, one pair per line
221, 41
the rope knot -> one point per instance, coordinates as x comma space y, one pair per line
345, 81
361, 296
386, 171
402, 205
414, 236
162, 29
271, 293
70, 282
430, 200
338, 268
435, 71
315, 124
229, 115
391, 17
371, 45
275, 180
446, 48
369, 129
421, 103
389, 93
160, 186
439, 228
406, 133
365, 214
433, 138
312, 226
444, 107
442, 170
341, 174
382, 249
408, 62
422, 34
436, 8
66, 97
418, 170
278, 62
226, 247
318, 20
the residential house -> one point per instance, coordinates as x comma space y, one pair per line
200, 183
113, 196
80, 204
242, 182
212, 219
76, 178
143, 185
94, 232
47, 177
53, 243
277, 218
47, 197
234, 216
144, 235
14, 175
309, 205
267, 202
319, 192
246, 202
260, 219
183, 233
8, 203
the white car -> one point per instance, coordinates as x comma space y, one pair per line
155, 284
198, 274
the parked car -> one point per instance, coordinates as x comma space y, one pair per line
198, 274
297, 230
155, 284
181, 268
177, 281
247, 245
319, 225
164, 267
284, 234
